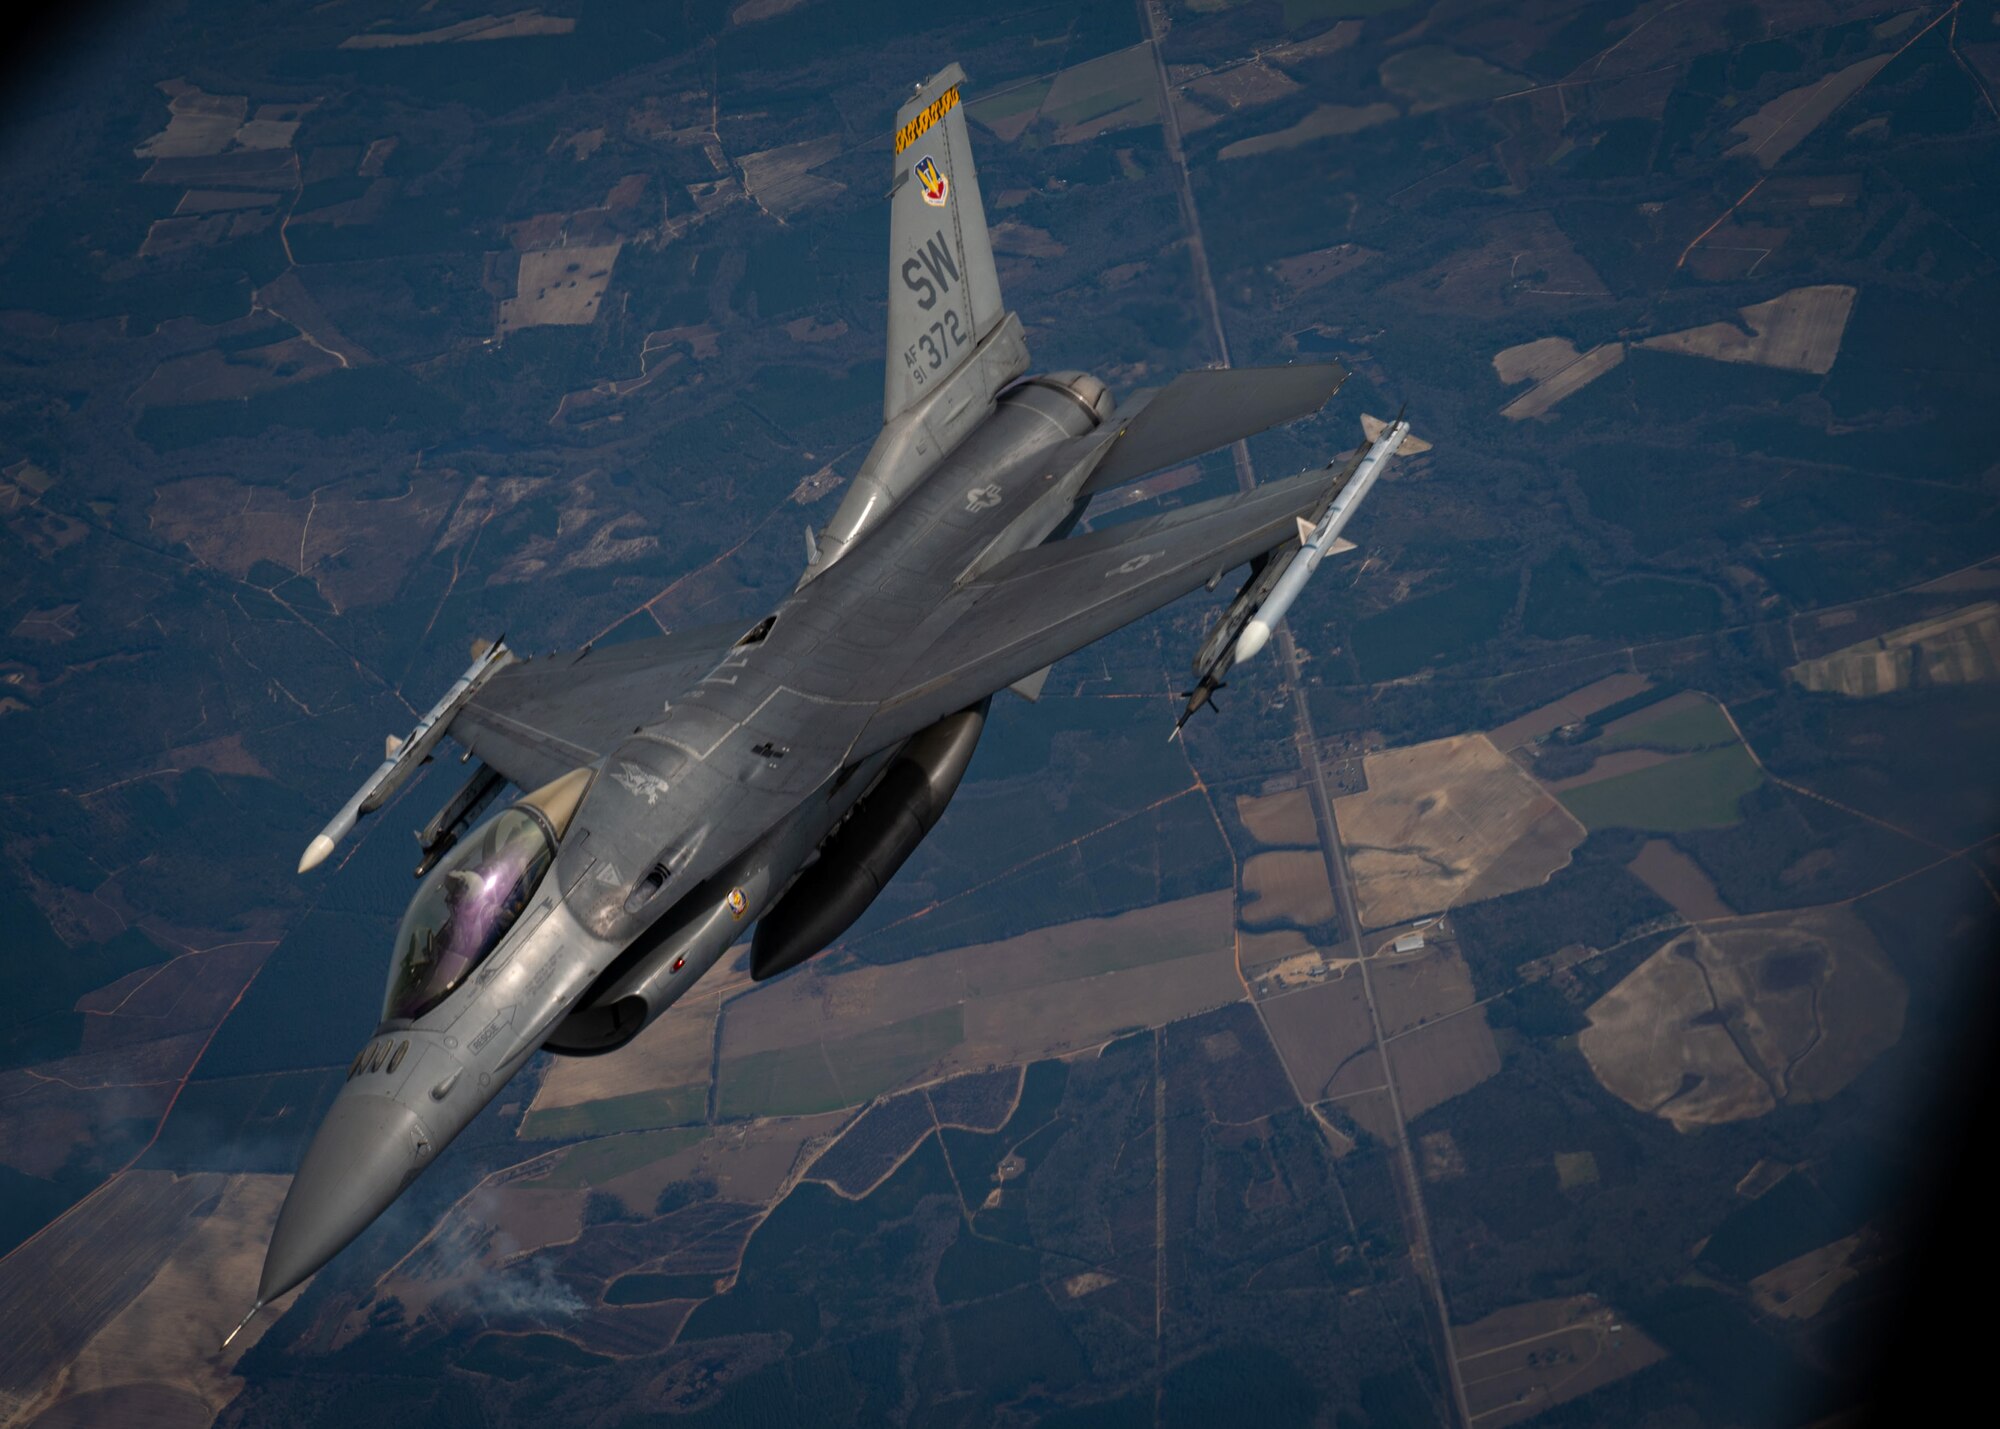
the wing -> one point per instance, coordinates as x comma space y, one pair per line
538, 719
1209, 408
1047, 602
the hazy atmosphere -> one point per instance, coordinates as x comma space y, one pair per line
1528, 998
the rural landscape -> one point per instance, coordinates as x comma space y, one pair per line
1528, 999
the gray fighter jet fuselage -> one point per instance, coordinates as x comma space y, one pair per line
688, 789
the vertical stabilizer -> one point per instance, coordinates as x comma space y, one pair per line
944, 295
953, 346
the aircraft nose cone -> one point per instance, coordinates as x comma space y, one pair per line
366, 1151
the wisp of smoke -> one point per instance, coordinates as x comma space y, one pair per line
529, 1291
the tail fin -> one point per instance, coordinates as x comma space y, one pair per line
944, 295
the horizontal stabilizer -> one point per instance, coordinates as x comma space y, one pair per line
1200, 411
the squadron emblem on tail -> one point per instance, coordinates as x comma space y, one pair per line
936, 187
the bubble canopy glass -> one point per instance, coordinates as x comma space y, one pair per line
464, 908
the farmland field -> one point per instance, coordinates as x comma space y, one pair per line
1699, 724
634, 1111
1701, 791
823, 1076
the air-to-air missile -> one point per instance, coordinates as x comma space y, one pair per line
403, 757
1245, 627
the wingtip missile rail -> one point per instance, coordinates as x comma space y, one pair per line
1245, 627
403, 757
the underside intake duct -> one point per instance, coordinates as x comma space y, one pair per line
862, 855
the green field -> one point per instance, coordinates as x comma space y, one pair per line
1327, 121
1575, 1169
1701, 726
1299, 13
1109, 101
1009, 102
825, 1076
594, 1162
640, 1111
1698, 792
1304, 12
1105, 85
1432, 75
644, 1287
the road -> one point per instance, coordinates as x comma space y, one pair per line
1410, 1185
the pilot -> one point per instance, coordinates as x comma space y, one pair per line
465, 908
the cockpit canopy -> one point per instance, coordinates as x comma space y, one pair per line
464, 908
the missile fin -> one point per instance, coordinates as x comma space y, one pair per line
1029, 687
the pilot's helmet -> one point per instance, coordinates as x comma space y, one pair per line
464, 908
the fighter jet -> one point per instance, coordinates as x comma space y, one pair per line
773, 777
